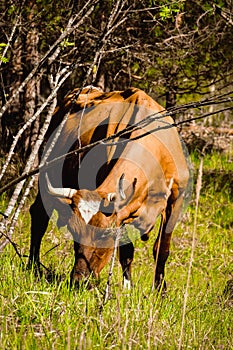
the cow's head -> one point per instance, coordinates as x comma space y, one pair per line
91, 217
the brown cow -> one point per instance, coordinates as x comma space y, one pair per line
131, 179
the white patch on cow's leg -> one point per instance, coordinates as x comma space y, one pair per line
88, 209
126, 283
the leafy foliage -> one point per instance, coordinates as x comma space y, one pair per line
2, 58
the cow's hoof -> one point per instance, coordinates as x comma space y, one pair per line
228, 290
34, 267
87, 283
160, 286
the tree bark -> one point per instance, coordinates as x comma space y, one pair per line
12, 117
33, 87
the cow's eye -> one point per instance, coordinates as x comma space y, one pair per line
107, 210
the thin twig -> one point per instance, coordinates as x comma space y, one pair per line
98, 56
32, 119
68, 30
80, 122
16, 214
106, 140
27, 168
14, 245
110, 274
11, 36
198, 190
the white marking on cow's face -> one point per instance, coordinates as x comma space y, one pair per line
126, 283
88, 209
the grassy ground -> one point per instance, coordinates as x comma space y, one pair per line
35, 314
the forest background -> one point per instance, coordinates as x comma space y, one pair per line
179, 52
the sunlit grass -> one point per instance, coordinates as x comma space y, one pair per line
35, 314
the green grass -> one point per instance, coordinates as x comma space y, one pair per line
35, 314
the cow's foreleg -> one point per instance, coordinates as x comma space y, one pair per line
39, 223
126, 254
161, 247
161, 253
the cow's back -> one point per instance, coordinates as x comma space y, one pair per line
96, 116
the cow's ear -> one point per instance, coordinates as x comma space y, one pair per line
65, 200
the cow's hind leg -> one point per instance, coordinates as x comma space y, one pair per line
126, 254
161, 247
39, 223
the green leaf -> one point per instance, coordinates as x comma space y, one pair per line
135, 67
165, 12
66, 43
151, 72
4, 59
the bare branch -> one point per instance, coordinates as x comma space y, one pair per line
33, 118
226, 15
108, 140
198, 191
69, 29
15, 217
11, 36
108, 284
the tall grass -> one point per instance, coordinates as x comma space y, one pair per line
36, 314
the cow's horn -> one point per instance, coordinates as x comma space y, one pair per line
121, 189
59, 192
111, 197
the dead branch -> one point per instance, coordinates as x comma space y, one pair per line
15, 217
198, 191
226, 15
34, 117
110, 274
100, 46
68, 30
14, 245
30, 162
109, 28
108, 140
11, 35
27, 168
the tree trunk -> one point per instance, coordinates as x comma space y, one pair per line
32, 89
13, 117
